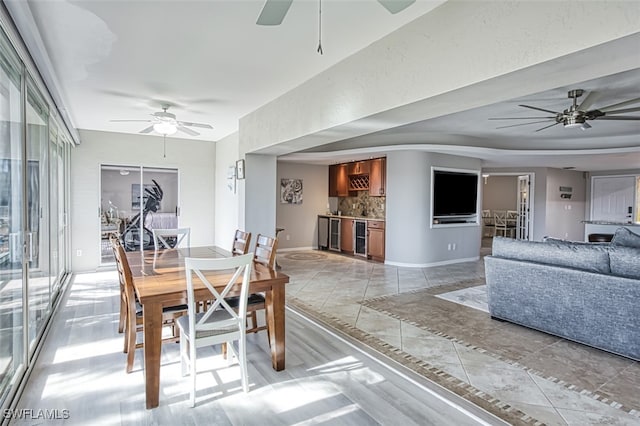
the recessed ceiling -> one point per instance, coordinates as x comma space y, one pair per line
606, 145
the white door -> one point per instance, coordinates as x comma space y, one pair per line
612, 198
523, 230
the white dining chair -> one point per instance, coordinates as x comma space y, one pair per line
162, 237
220, 323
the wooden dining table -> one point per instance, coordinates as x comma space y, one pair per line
159, 280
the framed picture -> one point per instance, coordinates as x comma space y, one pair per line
291, 191
240, 169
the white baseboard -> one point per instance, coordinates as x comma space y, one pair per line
295, 249
429, 265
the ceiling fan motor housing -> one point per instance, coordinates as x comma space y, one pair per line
165, 116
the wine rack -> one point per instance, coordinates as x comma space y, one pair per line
359, 183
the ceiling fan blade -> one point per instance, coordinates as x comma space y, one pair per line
395, 6
190, 124
539, 109
546, 127
123, 121
523, 124
147, 130
586, 103
617, 118
520, 118
609, 108
188, 131
273, 12
622, 111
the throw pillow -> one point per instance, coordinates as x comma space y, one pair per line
625, 261
624, 237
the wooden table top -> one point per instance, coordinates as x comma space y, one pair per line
162, 275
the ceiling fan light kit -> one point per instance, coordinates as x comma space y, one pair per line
166, 124
165, 128
576, 116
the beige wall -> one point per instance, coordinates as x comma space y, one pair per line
301, 220
500, 193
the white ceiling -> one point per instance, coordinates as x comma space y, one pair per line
213, 64
206, 58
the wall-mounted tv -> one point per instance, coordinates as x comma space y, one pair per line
454, 193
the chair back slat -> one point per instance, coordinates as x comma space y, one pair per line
265, 251
161, 237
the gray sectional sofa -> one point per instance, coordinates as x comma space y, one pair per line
585, 292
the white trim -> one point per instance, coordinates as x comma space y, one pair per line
296, 249
429, 265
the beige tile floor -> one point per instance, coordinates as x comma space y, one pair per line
335, 285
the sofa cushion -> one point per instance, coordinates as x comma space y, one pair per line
624, 237
561, 241
625, 261
587, 257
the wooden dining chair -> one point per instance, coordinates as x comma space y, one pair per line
170, 238
241, 241
220, 324
265, 254
133, 317
115, 241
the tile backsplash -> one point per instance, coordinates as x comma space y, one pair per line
365, 205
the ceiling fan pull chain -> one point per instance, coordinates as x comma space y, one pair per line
164, 146
319, 27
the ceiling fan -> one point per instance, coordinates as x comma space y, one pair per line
578, 115
274, 11
166, 124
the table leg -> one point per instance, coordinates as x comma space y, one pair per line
274, 301
152, 316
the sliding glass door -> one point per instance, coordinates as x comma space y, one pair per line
12, 284
134, 201
37, 210
33, 205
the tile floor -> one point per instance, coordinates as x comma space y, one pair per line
336, 289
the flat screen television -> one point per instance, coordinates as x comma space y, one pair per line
454, 193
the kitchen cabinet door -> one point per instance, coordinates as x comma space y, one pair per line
339, 180
342, 180
377, 177
333, 180
346, 236
359, 168
375, 241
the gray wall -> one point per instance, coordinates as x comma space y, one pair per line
260, 195
410, 240
300, 221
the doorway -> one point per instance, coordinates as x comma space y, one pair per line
134, 201
510, 193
